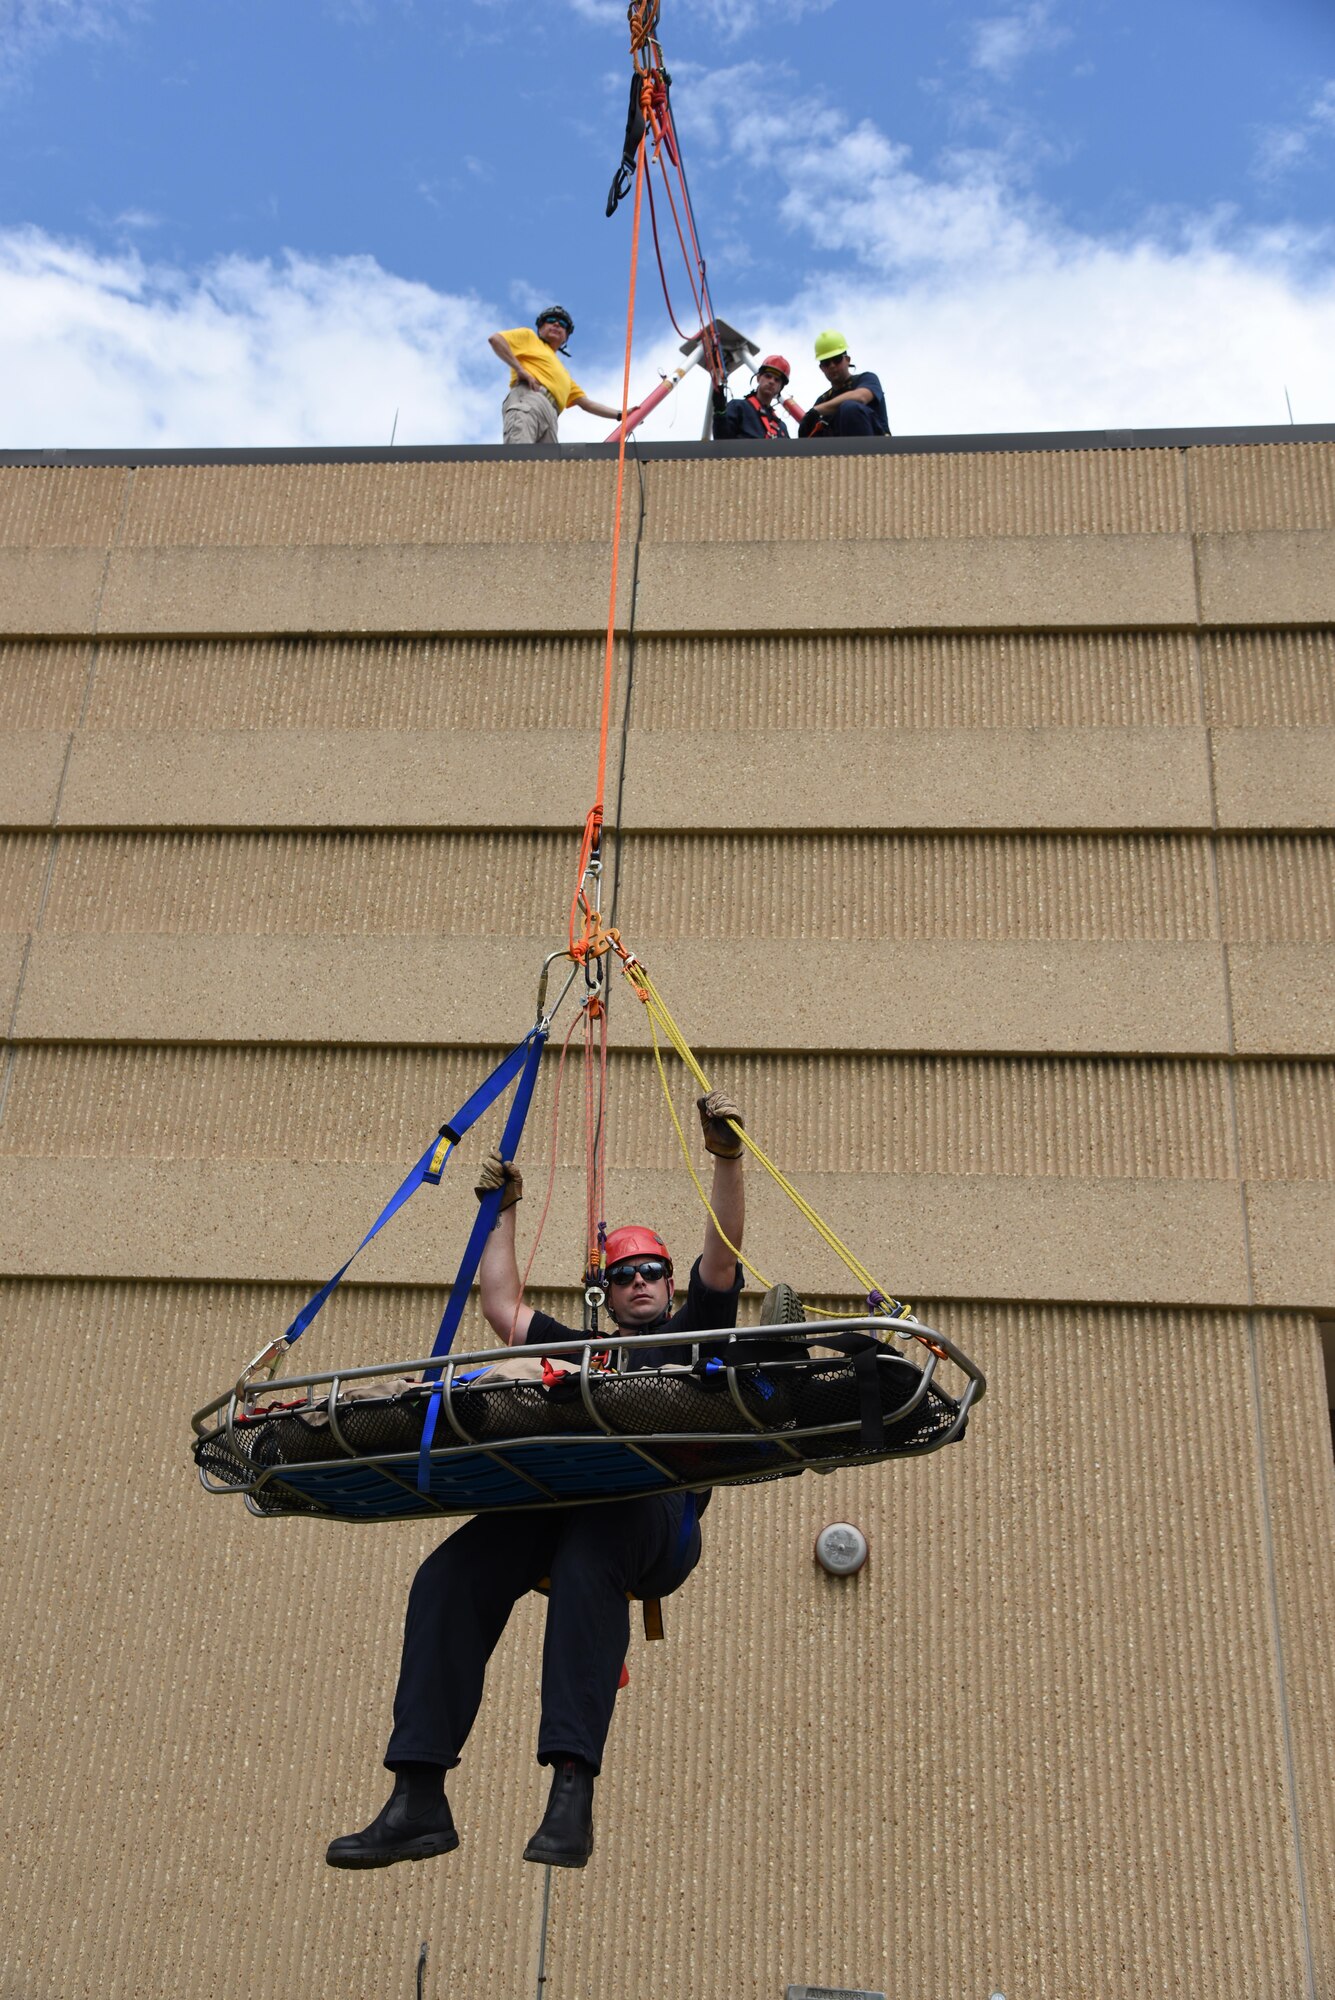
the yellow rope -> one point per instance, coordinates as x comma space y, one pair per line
659, 1017
759, 1276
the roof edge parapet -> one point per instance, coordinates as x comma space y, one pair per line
893, 447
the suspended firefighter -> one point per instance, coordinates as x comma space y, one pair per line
595, 1557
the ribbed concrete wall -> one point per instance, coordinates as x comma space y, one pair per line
980, 822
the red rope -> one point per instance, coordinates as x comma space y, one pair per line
551, 1173
662, 274
593, 824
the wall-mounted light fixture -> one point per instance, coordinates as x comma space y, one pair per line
841, 1550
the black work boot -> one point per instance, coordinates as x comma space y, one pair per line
413, 1824
565, 1838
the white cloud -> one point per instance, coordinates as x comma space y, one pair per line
113, 350
1280, 148
984, 312
980, 308
110, 350
602, 13
731, 20
29, 26
1001, 42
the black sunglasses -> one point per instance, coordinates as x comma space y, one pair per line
653, 1268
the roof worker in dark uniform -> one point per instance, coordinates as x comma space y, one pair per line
849, 405
541, 385
755, 416
464, 1592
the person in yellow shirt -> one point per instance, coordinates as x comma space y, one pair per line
541, 385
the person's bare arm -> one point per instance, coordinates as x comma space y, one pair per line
498, 1270
500, 346
718, 1262
595, 409
718, 1265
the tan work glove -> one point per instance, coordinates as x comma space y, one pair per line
715, 1111
499, 1173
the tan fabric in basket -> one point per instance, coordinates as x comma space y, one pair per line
522, 1367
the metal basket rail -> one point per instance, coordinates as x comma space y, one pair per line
596, 1437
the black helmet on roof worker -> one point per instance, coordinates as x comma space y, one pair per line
562, 318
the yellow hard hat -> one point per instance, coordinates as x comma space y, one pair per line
830, 343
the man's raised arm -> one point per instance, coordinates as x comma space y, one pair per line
498, 1271
727, 1197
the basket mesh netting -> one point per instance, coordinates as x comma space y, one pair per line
541, 1446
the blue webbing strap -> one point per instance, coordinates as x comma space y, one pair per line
428, 1168
488, 1210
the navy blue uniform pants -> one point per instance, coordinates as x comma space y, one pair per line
852, 420
464, 1593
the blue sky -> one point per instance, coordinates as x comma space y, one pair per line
281, 224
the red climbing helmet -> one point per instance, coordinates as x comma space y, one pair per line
634, 1240
777, 364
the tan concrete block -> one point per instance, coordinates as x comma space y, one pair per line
1124, 581
800, 497
837, 887
42, 682
1301, 1497
24, 858
1241, 487
463, 502
1275, 777
1292, 1227
1001, 778
1113, 581
51, 591
346, 778
921, 1236
1260, 579
12, 949
1286, 1121
1062, 1118
1283, 999
1093, 1560
60, 507
30, 768
418, 589
1269, 680
1277, 888
1142, 998
776, 780
845, 681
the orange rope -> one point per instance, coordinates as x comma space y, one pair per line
643, 18
594, 822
